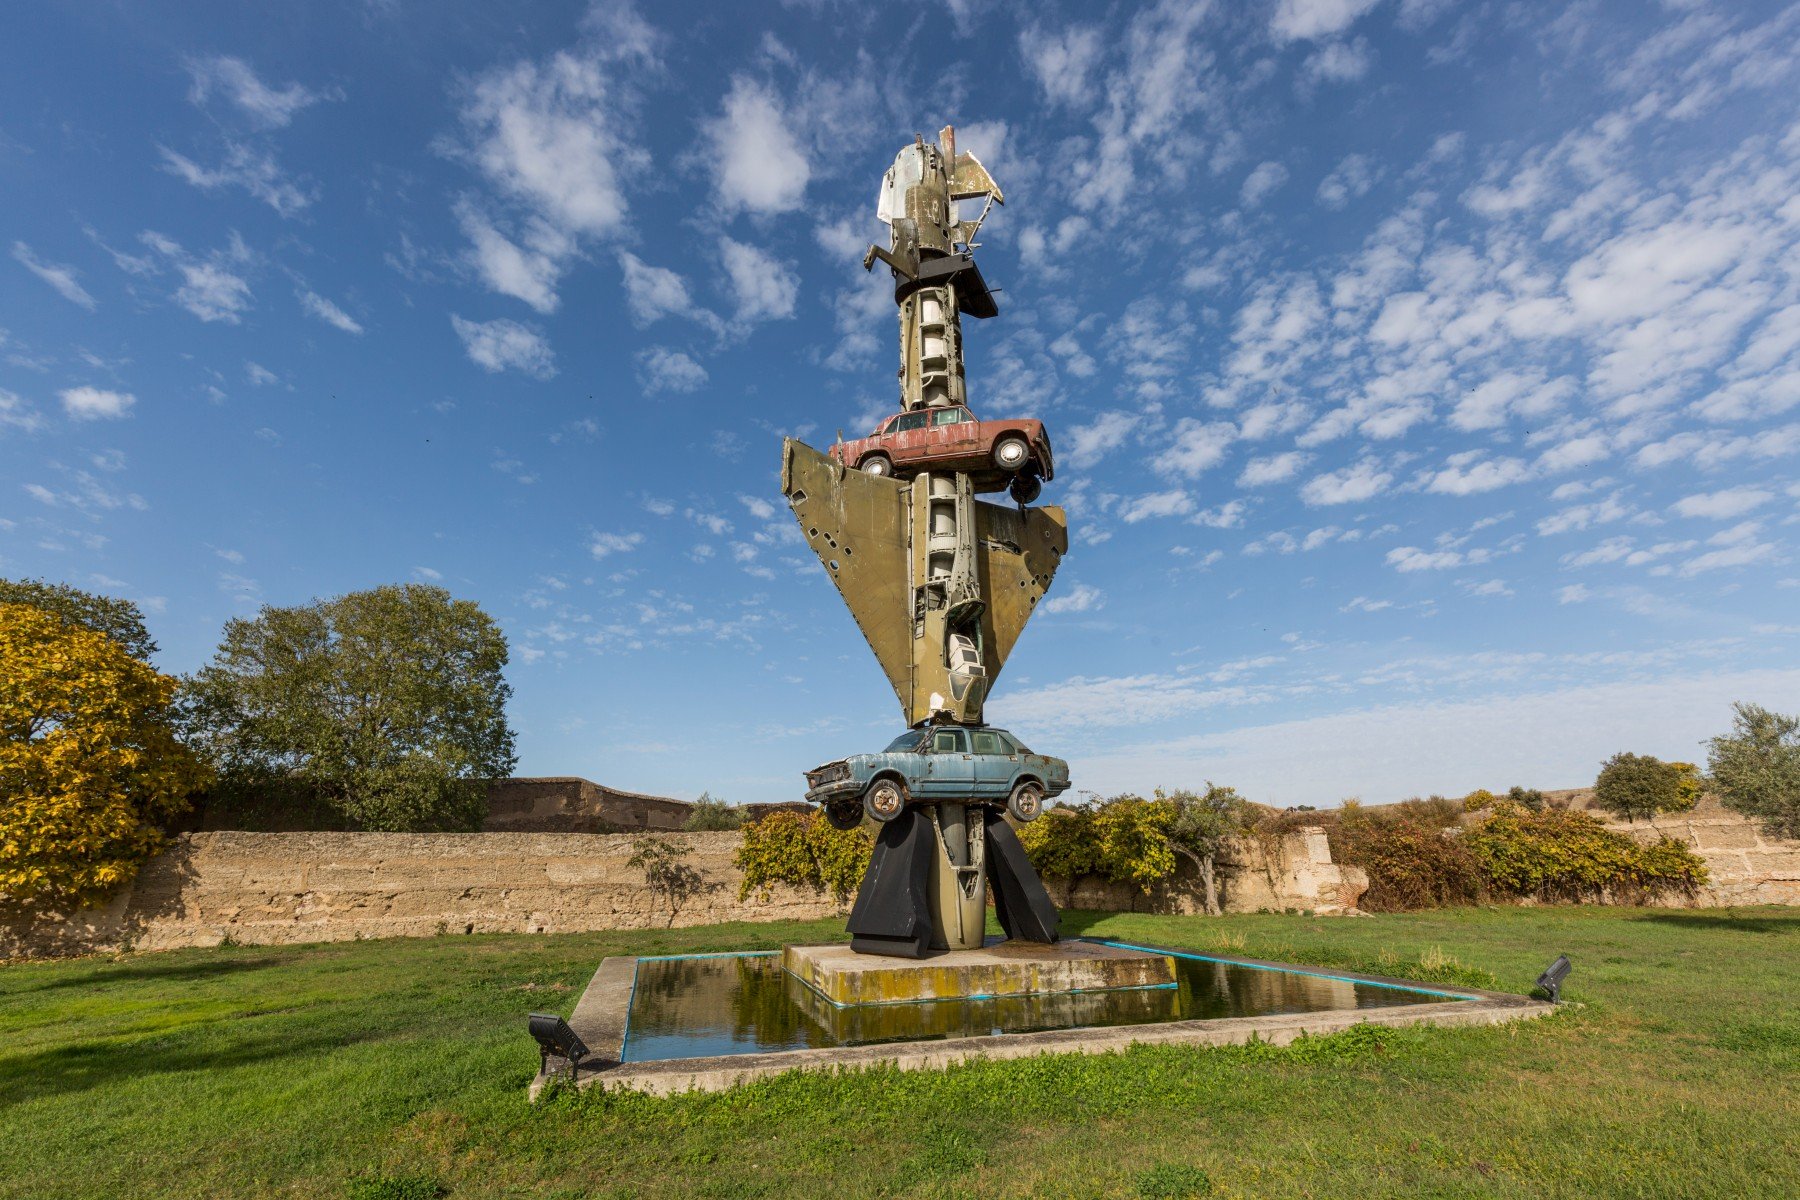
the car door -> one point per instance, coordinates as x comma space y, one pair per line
907, 438
951, 765
951, 435
995, 763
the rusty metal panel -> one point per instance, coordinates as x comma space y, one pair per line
1018, 552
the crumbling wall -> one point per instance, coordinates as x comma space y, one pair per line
1292, 872
570, 804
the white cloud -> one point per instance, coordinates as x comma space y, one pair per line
1261, 183
210, 288
1078, 599
16, 414
661, 369
244, 166
233, 79
1582, 516
1469, 474
94, 404
1722, 505
1088, 444
318, 306
1172, 503
1350, 180
1061, 61
756, 160
652, 293
759, 508
1412, 558
501, 345
1295, 19
525, 272
1196, 447
763, 286
1349, 485
602, 544
1337, 62
1275, 468
60, 277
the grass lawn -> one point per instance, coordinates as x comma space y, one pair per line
397, 1069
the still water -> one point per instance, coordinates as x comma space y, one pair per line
746, 1004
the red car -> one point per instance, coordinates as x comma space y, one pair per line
996, 453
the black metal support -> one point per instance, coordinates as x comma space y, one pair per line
1020, 901
892, 914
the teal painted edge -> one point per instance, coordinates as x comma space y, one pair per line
1237, 962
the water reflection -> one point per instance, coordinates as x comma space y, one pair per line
746, 1004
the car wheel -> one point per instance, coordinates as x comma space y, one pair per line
1026, 488
1026, 802
877, 464
885, 799
1011, 453
843, 818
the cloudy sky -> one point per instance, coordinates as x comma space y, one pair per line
1425, 375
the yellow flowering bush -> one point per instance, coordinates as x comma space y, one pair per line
89, 761
803, 850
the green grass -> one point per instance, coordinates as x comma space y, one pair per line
397, 1069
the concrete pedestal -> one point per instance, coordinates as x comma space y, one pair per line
1000, 968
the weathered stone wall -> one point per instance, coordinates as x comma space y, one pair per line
570, 804
267, 888
1289, 873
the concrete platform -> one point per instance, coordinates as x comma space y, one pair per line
1001, 968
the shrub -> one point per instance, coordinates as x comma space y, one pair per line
1201, 827
1635, 786
1560, 855
1756, 768
1477, 800
1410, 864
89, 762
388, 705
802, 850
665, 874
713, 816
1123, 840
1528, 798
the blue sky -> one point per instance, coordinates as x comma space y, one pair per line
1425, 375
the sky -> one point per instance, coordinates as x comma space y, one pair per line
1424, 375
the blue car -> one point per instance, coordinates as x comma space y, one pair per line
972, 764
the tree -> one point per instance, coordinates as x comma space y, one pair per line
1202, 825
665, 874
89, 761
388, 706
1639, 785
118, 619
712, 816
1756, 768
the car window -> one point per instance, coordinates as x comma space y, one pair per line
1015, 746
948, 741
988, 742
905, 742
948, 416
912, 420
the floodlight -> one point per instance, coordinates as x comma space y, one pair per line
1552, 978
555, 1037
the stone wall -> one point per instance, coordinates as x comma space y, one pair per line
269, 888
570, 804
1294, 872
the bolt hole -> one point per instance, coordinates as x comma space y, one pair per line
834, 565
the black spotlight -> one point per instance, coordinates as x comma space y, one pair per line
555, 1037
1552, 978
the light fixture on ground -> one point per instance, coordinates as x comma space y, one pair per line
1551, 980
554, 1037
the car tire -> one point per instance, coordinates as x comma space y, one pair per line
885, 800
1011, 452
1026, 488
1026, 803
877, 464
843, 818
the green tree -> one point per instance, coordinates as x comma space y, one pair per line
1637, 786
713, 816
1201, 827
665, 874
117, 619
1756, 767
386, 706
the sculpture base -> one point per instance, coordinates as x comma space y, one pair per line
1001, 968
